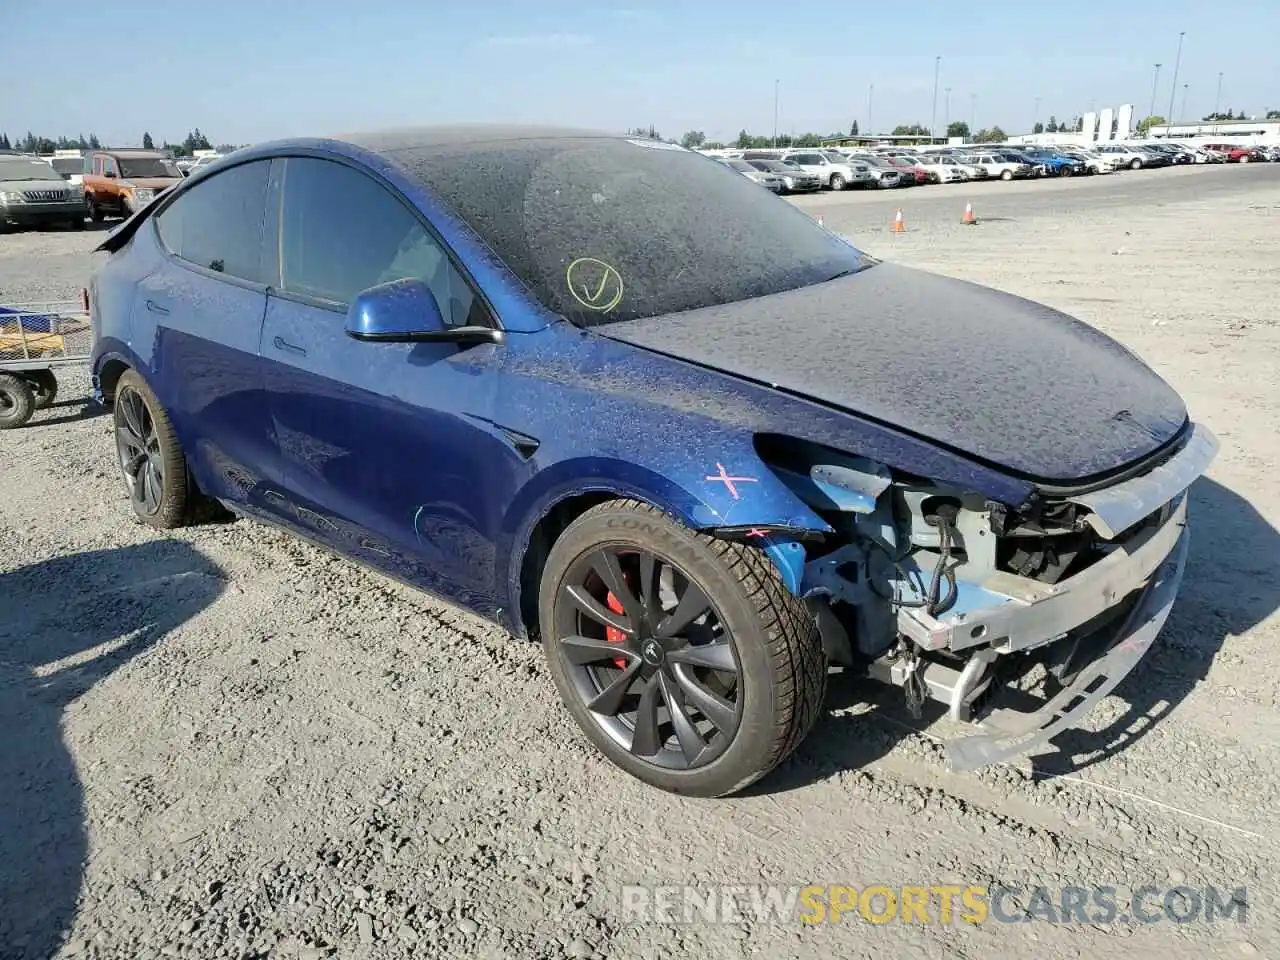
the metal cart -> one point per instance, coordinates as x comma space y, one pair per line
36, 339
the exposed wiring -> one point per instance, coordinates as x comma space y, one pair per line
944, 520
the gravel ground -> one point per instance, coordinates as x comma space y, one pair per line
226, 743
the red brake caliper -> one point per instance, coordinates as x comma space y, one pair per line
613, 634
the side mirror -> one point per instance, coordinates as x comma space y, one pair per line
406, 311
110, 174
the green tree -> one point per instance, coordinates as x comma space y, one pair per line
147, 142
1053, 125
958, 128
4, 142
1038, 128
853, 129
1146, 123
693, 139
910, 130
991, 135
1273, 114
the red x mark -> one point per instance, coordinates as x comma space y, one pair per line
757, 532
729, 482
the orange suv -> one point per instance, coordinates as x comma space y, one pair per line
120, 182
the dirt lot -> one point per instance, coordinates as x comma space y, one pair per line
225, 743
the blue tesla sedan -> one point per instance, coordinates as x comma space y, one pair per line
611, 395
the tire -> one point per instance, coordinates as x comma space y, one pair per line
1244, 159
767, 656
76, 224
1006, 174
837, 182
95, 211
168, 498
44, 386
17, 401
1135, 164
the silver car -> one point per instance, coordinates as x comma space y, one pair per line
33, 194
794, 179
770, 181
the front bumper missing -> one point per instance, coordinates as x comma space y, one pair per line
1008, 735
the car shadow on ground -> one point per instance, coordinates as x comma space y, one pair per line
76, 410
65, 624
1231, 584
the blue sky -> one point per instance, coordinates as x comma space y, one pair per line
250, 70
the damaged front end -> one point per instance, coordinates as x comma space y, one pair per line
946, 593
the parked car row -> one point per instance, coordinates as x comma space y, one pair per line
69, 186
842, 168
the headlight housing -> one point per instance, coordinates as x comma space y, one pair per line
10, 197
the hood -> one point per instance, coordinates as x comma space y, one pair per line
152, 183
1008, 381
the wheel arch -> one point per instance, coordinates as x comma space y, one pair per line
538, 519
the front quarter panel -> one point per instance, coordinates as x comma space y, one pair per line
612, 417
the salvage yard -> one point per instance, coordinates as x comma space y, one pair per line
226, 743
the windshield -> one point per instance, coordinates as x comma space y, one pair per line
68, 166
774, 166
607, 229
22, 168
148, 167
741, 165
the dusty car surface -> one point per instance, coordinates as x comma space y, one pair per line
121, 182
597, 391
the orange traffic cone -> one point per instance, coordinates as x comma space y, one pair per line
898, 225
968, 214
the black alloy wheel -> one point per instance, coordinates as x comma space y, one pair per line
649, 656
141, 459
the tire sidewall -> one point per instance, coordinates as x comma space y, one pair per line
174, 487
22, 401
740, 762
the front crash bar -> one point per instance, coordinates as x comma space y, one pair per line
1095, 680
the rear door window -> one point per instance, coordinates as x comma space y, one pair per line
217, 224
343, 232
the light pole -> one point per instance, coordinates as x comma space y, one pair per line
1185, 86
946, 109
1217, 98
1036, 119
1173, 88
933, 116
871, 92
776, 83
1154, 83
973, 113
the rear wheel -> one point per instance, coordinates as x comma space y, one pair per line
1006, 174
1135, 164
161, 490
837, 182
1245, 158
682, 657
17, 401
44, 385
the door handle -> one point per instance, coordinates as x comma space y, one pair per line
157, 308
282, 344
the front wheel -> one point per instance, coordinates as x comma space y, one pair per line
682, 657
837, 182
1244, 159
93, 209
1006, 174
1135, 164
